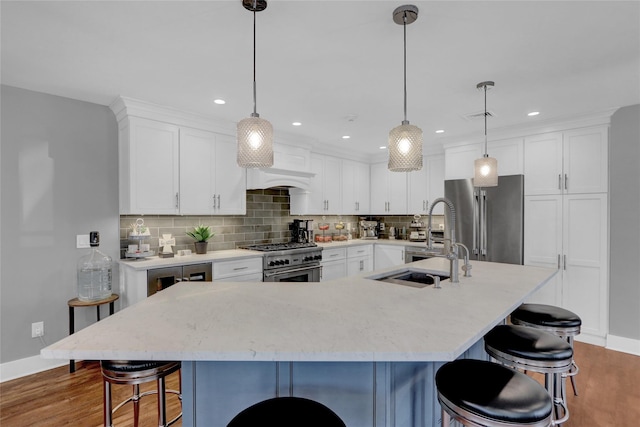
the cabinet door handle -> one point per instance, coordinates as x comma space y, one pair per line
559, 181
218, 201
177, 201
402, 256
361, 265
214, 201
558, 261
566, 182
564, 262
424, 205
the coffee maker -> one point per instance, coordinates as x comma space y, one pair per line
368, 229
301, 230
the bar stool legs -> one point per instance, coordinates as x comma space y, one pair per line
135, 373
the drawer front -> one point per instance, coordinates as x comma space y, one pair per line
334, 254
362, 250
238, 267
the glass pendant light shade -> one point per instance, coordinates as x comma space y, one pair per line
405, 148
255, 143
486, 172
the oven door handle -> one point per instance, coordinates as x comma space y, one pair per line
294, 270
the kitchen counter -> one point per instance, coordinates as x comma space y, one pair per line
351, 319
367, 349
211, 256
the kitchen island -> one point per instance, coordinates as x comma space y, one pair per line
365, 348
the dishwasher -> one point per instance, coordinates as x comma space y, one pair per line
161, 278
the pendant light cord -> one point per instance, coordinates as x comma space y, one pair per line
404, 19
255, 111
485, 121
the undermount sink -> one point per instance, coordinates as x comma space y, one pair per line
413, 277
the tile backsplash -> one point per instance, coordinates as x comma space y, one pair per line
267, 220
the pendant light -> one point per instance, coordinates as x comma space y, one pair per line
405, 141
485, 168
255, 135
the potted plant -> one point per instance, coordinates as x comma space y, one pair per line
201, 234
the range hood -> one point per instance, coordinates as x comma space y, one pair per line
291, 168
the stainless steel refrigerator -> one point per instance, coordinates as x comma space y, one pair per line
489, 221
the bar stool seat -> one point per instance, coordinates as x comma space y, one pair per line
135, 373
481, 393
522, 347
557, 320
287, 412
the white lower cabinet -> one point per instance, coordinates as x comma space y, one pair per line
238, 270
359, 259
334, 263
388, 256
570, 233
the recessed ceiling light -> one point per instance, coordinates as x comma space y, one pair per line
219, 101
296, 124
533, 113
345, 137
440, 131
383, 147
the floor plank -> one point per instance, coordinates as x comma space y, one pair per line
609, 395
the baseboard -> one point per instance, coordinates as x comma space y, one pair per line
625, 345
591, 339
27, 366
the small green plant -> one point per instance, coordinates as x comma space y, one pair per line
201, 233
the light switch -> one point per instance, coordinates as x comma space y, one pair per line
82, 241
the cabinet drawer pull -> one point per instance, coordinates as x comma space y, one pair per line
240, 268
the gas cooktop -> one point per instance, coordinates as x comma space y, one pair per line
270, 247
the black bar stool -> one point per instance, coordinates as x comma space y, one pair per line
480, 393
530, 349
287, 412
135, 373
563, 323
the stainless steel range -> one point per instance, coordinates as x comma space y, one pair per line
290, 262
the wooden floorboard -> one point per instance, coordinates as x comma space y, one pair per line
608, 386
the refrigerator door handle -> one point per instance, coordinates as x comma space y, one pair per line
483, 223
476, 207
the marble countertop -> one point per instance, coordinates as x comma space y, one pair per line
350, 319
211, 256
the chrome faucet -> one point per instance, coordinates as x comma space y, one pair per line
466, 267
452, 254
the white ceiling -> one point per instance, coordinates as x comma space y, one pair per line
322, 62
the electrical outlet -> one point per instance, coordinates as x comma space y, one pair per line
82, 241
37, 329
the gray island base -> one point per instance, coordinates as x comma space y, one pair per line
367, 349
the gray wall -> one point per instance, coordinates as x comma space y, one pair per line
624, 197
59, 178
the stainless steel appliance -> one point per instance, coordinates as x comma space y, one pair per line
368, 229
416, 253
301, 230
489, 221
161, 278
290, 262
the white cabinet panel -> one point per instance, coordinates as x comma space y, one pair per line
355, 188
426, 185
334, 263
359, 259
388, 256
510, 155
149, 167
570, 162
388, 191
230, 179
325, 193
459, 161
569, 232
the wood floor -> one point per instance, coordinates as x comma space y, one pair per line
608, 383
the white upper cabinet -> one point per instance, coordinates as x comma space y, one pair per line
459, 160
570, 162
149, 167
426, 185
170, 169
355, 188
388, 191
210, 181
324, 196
